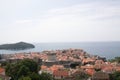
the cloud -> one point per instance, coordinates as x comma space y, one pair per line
93, 21
23, 21
92, 9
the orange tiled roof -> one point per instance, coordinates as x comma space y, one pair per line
43, 67
2, 70
108, 68
87, 60
55, 67
87, 67
60, 73
90, 71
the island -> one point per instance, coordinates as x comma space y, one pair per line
17, 46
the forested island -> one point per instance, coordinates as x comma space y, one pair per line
17, 46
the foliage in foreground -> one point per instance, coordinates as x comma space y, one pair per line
115, 75
26, 69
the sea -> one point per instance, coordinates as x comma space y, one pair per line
103, 49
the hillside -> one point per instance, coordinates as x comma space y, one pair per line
17, 46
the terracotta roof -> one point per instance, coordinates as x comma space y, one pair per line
53, 68
100, 75
90, 71
60, 73
43, 67
108, 68
2, 70
87, 60
87, 67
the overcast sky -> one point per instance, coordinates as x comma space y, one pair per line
59, 20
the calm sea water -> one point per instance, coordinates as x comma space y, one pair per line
104, 49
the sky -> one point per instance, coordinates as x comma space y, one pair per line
59, 20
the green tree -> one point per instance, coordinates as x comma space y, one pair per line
115, 75
34, 76
23, 71
21, 68
116, 59
24, 78
45, 76
32, 65
26, 69
12, 71
4, 63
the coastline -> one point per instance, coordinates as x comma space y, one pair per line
104, 49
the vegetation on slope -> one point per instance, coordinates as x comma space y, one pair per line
26, 69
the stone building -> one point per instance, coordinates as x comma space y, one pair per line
100, 76
51, 57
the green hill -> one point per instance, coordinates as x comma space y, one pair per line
17, 46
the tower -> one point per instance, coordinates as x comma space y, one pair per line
51, 57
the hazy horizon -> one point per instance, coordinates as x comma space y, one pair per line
37, 21
62, 42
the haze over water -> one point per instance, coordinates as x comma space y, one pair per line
104, 49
